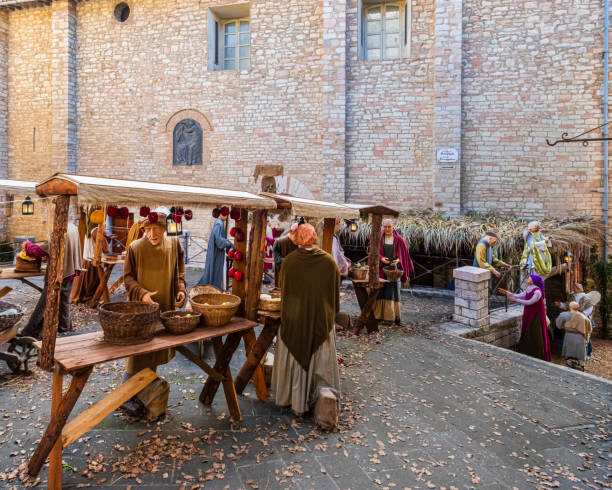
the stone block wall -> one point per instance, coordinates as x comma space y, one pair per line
504, 329
471, 296
531, 71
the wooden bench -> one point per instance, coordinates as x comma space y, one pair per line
22, 276
78, 354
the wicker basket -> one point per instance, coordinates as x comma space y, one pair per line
178, 322
275, 293
361, 273
9, 321
22, 265
269, 304
129, 322
393, 273
214, 312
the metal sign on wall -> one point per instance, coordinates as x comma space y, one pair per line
447, 155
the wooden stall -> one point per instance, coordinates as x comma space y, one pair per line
366, 290
77, 355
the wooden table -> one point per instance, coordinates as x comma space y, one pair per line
78, 354
104, 271
366, 298
22, 276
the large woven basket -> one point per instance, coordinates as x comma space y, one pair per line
273, 304
129, 322
22, 265
214, 312
393, 273
361, 273
9, 321
178, 322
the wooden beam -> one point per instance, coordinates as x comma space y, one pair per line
54, 281
239, 287
255, 267
329, 224
57, 187
58, 420
200, 363
223, 358
228, 384
256, 352
97, 412
374, 280
55, 458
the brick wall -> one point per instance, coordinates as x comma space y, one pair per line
532, 70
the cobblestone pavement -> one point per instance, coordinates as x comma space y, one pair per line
420, 410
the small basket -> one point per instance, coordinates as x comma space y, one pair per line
269, 304
361, 273
214, 312
275, 293
128, 322
393, 273
178, 322
22, 265
9, 321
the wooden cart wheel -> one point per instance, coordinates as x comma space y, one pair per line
23, 348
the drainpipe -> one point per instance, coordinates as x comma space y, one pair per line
605, 156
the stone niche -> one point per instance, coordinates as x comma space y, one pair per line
189, 138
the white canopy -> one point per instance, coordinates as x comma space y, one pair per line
101, 190
314, 209
17, 186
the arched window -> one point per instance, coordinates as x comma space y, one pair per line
187, 143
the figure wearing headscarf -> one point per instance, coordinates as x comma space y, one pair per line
578, 329
534, 336
393, 252
154, 272
536, 257
305, 356
71, 269
214, 271
281, 249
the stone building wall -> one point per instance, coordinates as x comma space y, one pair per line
532, 70
390, 117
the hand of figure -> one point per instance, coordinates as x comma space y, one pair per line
384, 260
557, 303
502, 291
147, 298
180, 299
510, 298
395, 262
496, 274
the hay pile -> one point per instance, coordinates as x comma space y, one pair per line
434, 234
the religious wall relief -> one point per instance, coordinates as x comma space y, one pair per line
187, 143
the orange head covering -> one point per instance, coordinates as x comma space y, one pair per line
305, 235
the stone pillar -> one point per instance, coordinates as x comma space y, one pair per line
472, 296
333, 121
447, 110
64, 86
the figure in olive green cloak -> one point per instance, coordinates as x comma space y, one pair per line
305, 356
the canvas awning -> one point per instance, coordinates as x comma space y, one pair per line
17, 186
311, 208
101, 190
373, 209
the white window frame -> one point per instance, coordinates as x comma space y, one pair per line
405, 28
237, 45
218, 16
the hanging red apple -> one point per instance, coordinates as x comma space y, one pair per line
238, 276
232, 273
233, 232
216, 212
235, 214
177, 218
231, 254
112, 211
144, 211
188, 214
238, 255
239, 235
123, 212
153, 217
225, 211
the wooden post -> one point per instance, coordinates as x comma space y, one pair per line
58, 421
239, 287
374, 255
257, 250
329, 224
55, 458
54, 281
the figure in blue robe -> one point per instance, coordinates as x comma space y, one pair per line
215, 255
